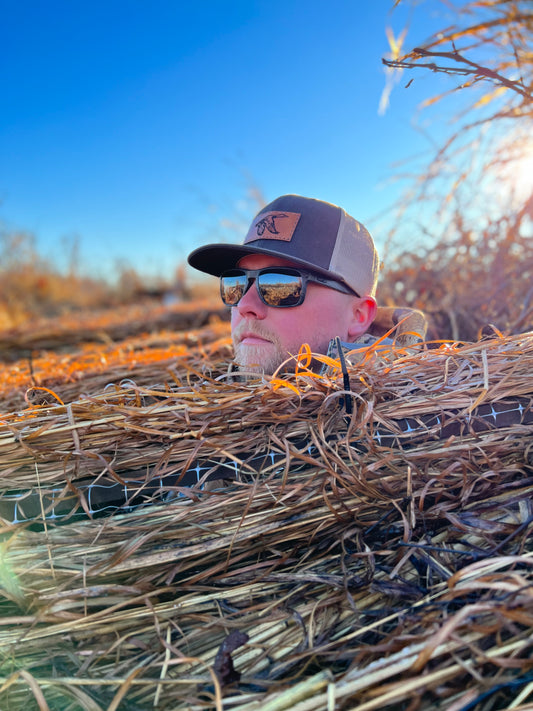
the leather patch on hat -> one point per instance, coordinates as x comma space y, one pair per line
273, 225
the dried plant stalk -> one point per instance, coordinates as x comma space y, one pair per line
378, 560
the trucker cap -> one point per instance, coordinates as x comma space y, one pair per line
311, 233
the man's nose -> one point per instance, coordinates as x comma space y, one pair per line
250, 305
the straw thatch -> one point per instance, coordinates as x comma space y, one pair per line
371, 565
49, 376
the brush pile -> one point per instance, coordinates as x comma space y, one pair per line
469, 278
380, 559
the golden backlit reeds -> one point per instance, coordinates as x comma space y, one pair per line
354, 572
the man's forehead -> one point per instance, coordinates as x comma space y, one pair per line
262, 261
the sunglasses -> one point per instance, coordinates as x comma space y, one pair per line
277, 286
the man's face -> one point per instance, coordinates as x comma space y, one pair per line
265, 336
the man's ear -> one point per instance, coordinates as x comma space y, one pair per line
363, 313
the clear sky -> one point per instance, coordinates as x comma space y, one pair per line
137, 126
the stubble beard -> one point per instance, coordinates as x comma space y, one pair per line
258, 358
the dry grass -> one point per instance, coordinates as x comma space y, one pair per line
468, 282
105, 327
355, 574
74, 356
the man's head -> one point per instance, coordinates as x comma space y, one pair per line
329, 256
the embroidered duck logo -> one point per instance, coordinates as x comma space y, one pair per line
268, 223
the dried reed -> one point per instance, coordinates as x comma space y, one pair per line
355, 572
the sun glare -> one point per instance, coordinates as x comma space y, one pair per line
517, 172
523, 176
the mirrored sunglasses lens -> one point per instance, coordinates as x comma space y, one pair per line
280, 289
232, 288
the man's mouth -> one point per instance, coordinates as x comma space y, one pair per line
252, 339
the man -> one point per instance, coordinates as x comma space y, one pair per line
306, 273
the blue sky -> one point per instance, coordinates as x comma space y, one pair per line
138, 127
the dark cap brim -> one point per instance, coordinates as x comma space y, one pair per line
215, 259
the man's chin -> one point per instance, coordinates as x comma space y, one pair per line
258, 359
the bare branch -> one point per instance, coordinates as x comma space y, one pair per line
477, 69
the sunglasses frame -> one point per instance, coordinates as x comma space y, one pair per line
303, 274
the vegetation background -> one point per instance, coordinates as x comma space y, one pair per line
466, 214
